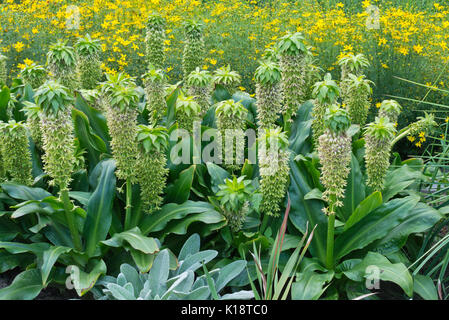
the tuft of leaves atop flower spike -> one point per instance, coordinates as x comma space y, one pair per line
230, 109
87, 47
381, 129
274, 137
53, 98
226, 77
336, 119
326, 91
153, 139
193, 28
34, 75
199, 78
154, 75
268, 73
62, 54
354, 63
390, 109
156, 21
292, 44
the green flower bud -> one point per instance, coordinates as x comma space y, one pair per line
34, 75
151, 165
230, 117
121, 117
227, 78
199, 83
268, 93
326, 93
89, 63
293, 61
57, 132
61, 63
193, 55
356, 101
234, 196
155, 40
155, 81
16, 152
334, 151
390, 109
273, 155
187, 111
378, 137
33, 121
3, 70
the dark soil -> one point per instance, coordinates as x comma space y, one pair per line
49, 293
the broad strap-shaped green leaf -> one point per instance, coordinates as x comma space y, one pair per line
21, 192
370, 203
217, 175
99, 208
424, 286
179, 191
84, 281
26, 286
376, 265
49, 258
17, 247
135, 239
355, 190
374, 226
399, 179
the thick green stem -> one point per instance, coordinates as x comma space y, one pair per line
330, 236
71, 220
129, 194
287, 123
399, 137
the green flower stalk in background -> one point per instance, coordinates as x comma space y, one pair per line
234, 196
151, 165
193, 55
390, 109
273, 156
187, 112
378, 136
268, 93
293, 62
16, 152
326, 93
61, 63
58, 144
155, 41
351, 64
121, 117
423, 124
34, 75
313, 75
334, 152
357, 98
155, 82
3, 70
88, 62
231, 117
33, 121
227, 78
199, 85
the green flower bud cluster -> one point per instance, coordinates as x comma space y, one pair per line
187, 111
351, 64
378, 137
155, 41
230, 118
274, 156
356, 101
151, 165
155, 81
334, 151
234, 196
32, 112
268, 93
3, 70
390, 109
61, 63
199, 85
88, 62
57, 132
227, 78
121, 117
293, 61
34, 75
16, 152
326, 93
193, 55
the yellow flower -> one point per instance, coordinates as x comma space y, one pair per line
18, 46
418, 144
34, 30
418, 48
213, 62
411, 138
242, 88
378, 105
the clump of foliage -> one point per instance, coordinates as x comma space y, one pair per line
193, 55
227, 78
273, 155
268, 93
151, 165
61, 61
16, 153
155, 40
199, 85
88, 62
155, 81
378, 136
34, 75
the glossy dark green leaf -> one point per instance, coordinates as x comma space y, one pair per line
179, 191
26, 286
